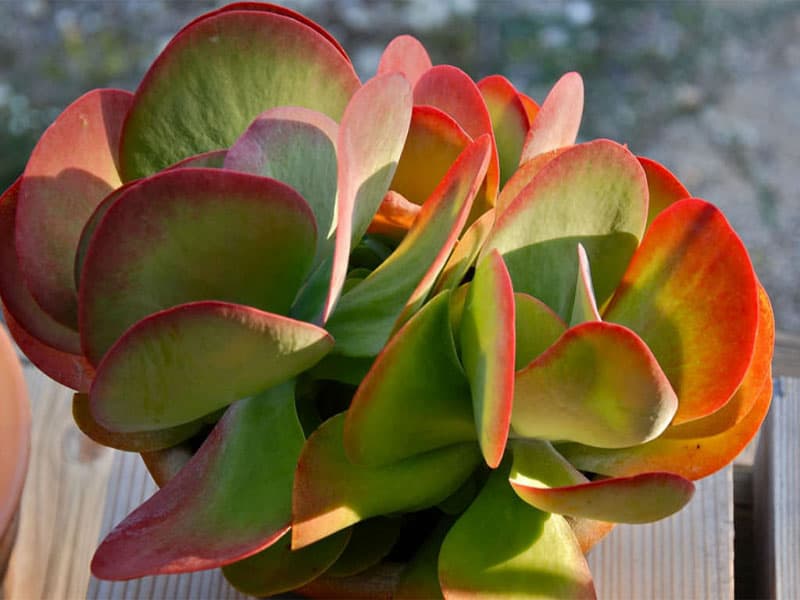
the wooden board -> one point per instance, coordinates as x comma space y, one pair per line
776, 495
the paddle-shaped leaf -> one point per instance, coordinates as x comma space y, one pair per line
230, 501
71, 169
487, 351
598, 384
501, 547
701, 447
199, 223
405, 54
523, 176
665, 188
691, 294
415, 397
584, 307
558, 119
278, 568
71, 370
135, 441
545, 480
536, 326
14, 293
433, 144
367, 313
331, 493
509, 121
371, 138
594, 194
369, 543
218, 74
185, 362
296, 146
453, 91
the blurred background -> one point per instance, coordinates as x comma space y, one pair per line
709, 88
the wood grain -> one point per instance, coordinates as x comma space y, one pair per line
776, 495
63, 498
687, 556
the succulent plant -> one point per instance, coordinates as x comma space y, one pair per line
409, 320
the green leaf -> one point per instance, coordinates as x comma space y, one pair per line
370, 541
537, 327
415, 397
331, 493
199, 223
501, 547
230, 501
594, 194
218, 74
598, 384
371, 138
487, 351
185, 362
584, 308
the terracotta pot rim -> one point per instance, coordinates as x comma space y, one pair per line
15, 431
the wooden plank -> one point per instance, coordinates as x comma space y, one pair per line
776, 490
689, 555
62, 502
787, 354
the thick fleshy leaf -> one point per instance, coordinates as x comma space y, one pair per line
453, 91
691, 294
230, 501
135, 441
501, 547
369, 543
71, 169
14, 293
395, 216
199, 223
433, 144
545, 480
271, 8
665, 188
487, 351
370, 142
584, 308
701, 447
531, 106
296, 146
465, 253
407, 55
71, 370
367, 314
415, 397
279, 569
598, 384
331, 493
185, 362
509, 121
594, 194
218, 74
537, 328
523, 176
558, 119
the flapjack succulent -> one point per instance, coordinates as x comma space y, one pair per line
408, 320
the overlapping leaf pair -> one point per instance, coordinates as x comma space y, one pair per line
409, 318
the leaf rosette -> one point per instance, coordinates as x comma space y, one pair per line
409, 320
